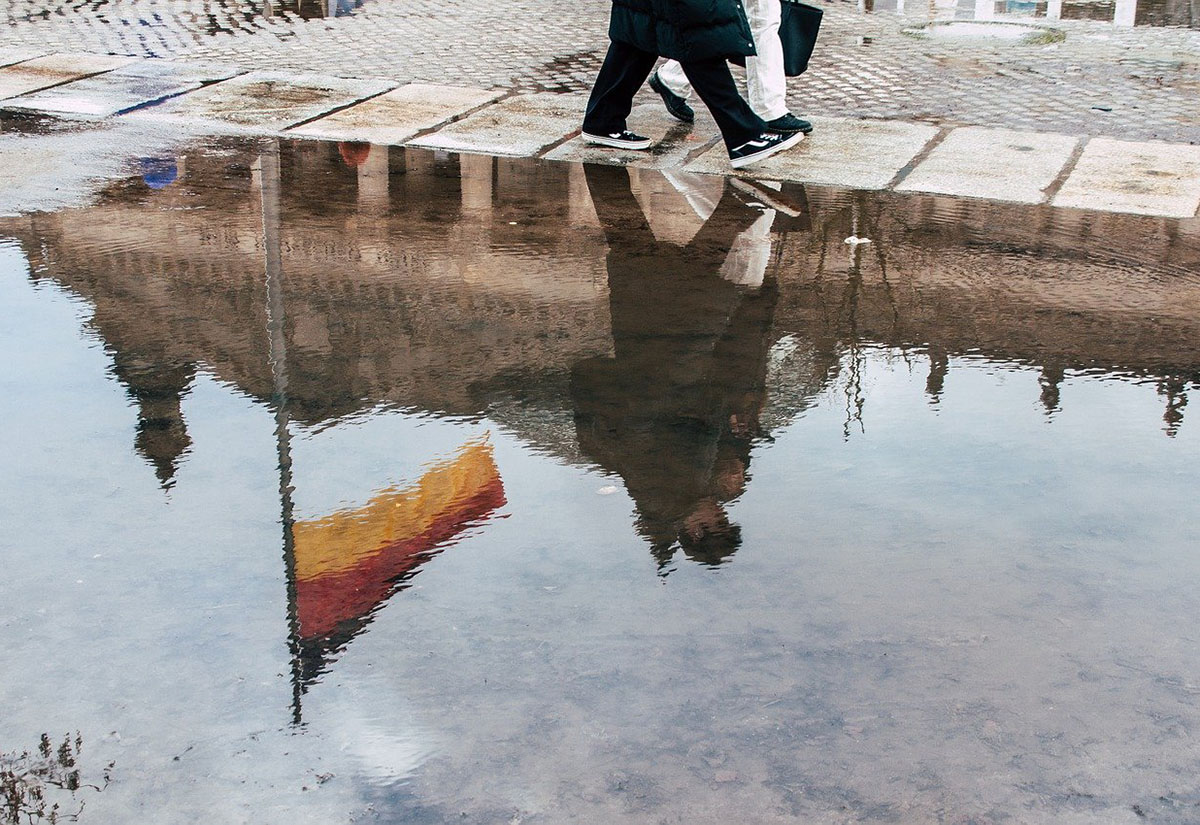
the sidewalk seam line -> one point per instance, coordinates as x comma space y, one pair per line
336, 109
4, 101
920, 157
455, 118
1056, 185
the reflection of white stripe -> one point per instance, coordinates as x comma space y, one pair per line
757, 144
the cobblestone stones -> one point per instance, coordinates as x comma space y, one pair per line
1141, 83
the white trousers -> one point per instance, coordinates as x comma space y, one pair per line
765, 82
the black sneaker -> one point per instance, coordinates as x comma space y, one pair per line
789, 124
677, 107
619, 140
761, 148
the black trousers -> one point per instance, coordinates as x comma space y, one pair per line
626, 68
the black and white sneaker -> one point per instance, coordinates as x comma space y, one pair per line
677, 107
761, 148
789, 123
619, 140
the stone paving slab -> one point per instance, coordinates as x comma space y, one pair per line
58, 166
857, 154
673, 141
519, 126
1136, 83
998, 164
53, 69
125, 88
1141, 178
11, 56
267, 101
400, 114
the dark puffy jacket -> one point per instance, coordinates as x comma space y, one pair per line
683, 29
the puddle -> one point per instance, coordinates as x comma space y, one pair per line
354, 484
311, 9
1168, 13
970, 30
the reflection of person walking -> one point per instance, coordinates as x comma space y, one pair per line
765, 80
675, 411
701, 35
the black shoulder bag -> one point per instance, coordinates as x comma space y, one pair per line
798, 29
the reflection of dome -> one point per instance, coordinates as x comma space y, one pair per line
354, 154
159, 173
158, 389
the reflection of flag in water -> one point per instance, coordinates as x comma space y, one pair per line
350, 562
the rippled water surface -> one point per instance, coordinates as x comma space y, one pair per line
354, 485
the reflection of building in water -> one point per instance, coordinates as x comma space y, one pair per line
1060, 290
158, 388
471, 285
325, 279
403, 280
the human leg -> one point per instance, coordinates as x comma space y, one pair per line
673, 87
747, 137
714, 84
623, 72
766, 85
673, 77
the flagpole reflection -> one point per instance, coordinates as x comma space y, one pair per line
268, 177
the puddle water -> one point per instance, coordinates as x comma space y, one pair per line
348, 484
311, 9
991, 30
1176, 13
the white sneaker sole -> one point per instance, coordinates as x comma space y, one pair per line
600, 140
766, 153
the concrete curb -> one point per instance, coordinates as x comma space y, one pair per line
1102, 174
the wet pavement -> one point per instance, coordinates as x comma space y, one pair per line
1087, 70
1121, 13
1138, 177
350, 483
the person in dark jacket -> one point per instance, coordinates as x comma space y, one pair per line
701, 35
675, 411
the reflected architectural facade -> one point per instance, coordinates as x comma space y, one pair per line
607, 316
655, 326
471, 286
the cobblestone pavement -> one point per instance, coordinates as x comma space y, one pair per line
1141, 83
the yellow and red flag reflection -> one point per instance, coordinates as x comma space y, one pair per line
349, 563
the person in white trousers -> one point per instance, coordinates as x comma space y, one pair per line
765, 81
